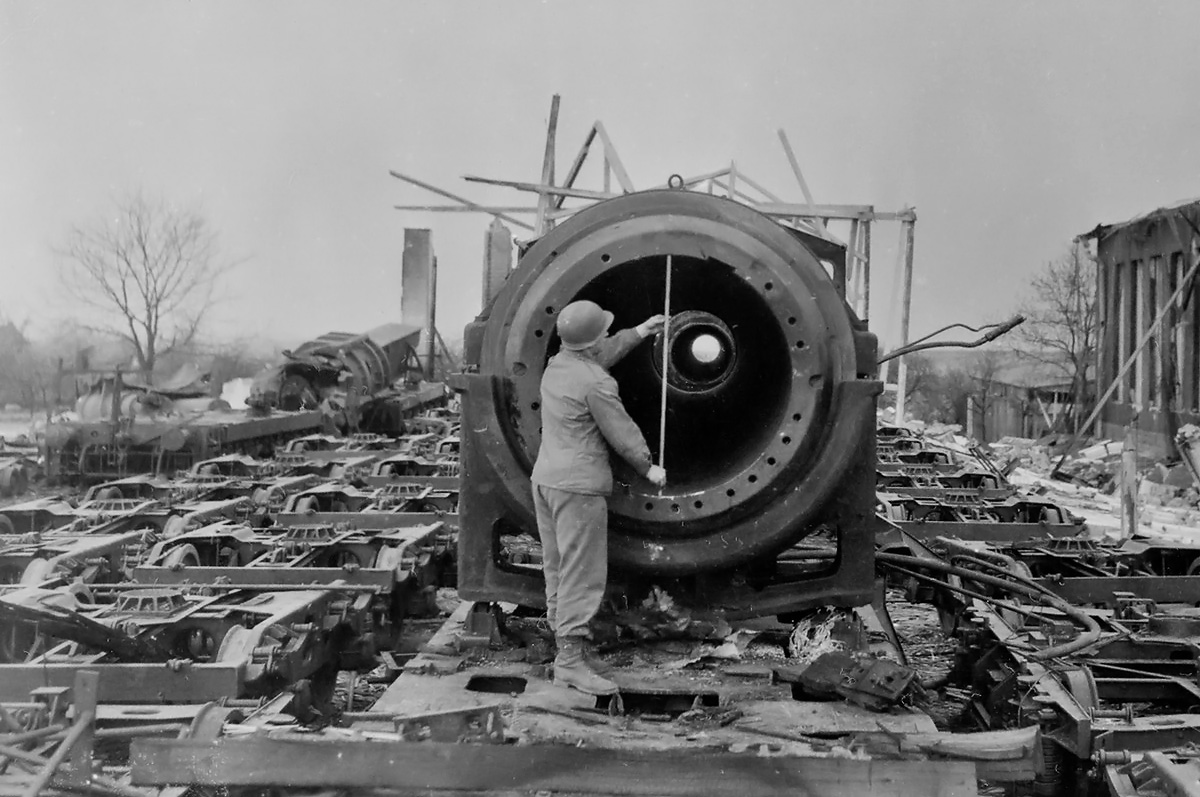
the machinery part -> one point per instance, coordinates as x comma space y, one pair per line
175, 525
474, 725
774, 400
371, 362
183, 556
37, 572
307, 503
1050, 782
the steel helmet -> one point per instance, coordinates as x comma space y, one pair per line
583, 324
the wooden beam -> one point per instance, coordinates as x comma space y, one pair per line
733, 193
577, 165
758, 188
854, 266
866, 257
489, 209
795, 164
614, 160
541, 224
568, 212
474, 205
432, 766
688, 182
541, 188
905, 312
835, 212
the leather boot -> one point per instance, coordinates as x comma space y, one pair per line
597, 664
570, 669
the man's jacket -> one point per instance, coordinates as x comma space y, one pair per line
582, 415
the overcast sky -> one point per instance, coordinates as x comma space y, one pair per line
1011, 127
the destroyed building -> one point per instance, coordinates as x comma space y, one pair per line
1149, 323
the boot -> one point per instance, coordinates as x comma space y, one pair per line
571, 669
597, 664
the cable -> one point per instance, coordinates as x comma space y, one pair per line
994, 331
1014, 585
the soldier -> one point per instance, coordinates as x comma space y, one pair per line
582, 415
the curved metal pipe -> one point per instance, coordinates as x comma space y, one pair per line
1089, 637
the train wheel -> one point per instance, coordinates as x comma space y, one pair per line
183, 556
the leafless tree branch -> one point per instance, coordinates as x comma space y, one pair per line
1061, 327
151, 267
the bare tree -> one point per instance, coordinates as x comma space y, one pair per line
921, 387
985, 393
1061, 327
148, 270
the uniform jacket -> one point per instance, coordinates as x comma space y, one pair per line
582, 415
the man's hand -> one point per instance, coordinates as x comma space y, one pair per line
651, 326
656, 476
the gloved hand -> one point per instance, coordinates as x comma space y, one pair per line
656, 476
651, 326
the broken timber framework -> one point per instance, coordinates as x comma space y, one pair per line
728, 181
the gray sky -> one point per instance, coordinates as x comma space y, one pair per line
1010, 126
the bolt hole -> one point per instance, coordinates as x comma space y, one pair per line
769, 286
649, 506
770, 460
786, 440
537, 333
604, 258
799, 344
699, 504
549, 309
731, 493
792, 320
674, 507
537, 405
753, 479
795, 416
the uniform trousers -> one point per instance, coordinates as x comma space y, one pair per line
574, 532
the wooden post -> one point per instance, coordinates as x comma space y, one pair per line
431, 326
866, 266
1129, 483
543, 224
85, 694
78, 741
795, 164
1145, 313
905, 312
854, 267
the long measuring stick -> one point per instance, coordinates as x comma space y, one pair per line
666, 364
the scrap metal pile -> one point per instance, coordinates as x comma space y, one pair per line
340, 381
238, 589
813, 604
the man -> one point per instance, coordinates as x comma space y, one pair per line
582, 415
